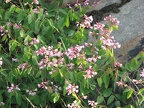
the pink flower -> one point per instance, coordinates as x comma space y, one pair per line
22, 66
90, 73
1, 29
72, 89
83, 96
41, 51
37, 10
86, 2
1, 62
12, 88
32, 92
69, 5
119, 83
98, 26
34, 41
93, 104
117, 64
17, 26
113, 20
70, 65
142, 73
35, 2
74, 105
74, 52
87, 22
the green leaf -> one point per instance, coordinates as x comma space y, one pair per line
99, 80
18, 98
22, 33
34, 60
45, 30
38, 74
110, 99
63, 11
71, 33
56, 97
79, 76
107, 92
141, 91
20, 16
12, 44
130, 92
12, 8
7, 15
37, 26
117, 103
67, 21
106, 80
30, 18
100, 99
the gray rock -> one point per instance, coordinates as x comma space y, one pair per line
131, 28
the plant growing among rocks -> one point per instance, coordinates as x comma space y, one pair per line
47, 61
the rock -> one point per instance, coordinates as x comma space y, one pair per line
131, 29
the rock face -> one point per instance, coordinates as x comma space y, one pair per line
131, 29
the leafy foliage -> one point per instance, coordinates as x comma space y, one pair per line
47, 61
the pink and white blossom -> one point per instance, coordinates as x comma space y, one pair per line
90, 73
72, 89
142, 73
93, 104
74, 105
1, 61
12, 88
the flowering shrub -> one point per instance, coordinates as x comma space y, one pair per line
47, 61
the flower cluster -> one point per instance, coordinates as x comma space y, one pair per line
35, 2
50, 53
119, 83
104, 34
110, 42
32, 92
1, 62
93, 58
33, 41
93, 104
73, 105
87, 22
113, 20
43, 85
12, 88
142, 74
73, 52
84, 96
17, 26
98, 26
90, 73
136, 81
117, 64
37, 10
84, 2
72, 89
22, 66
50, 87
2, 31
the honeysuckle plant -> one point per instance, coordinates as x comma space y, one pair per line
47, 61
